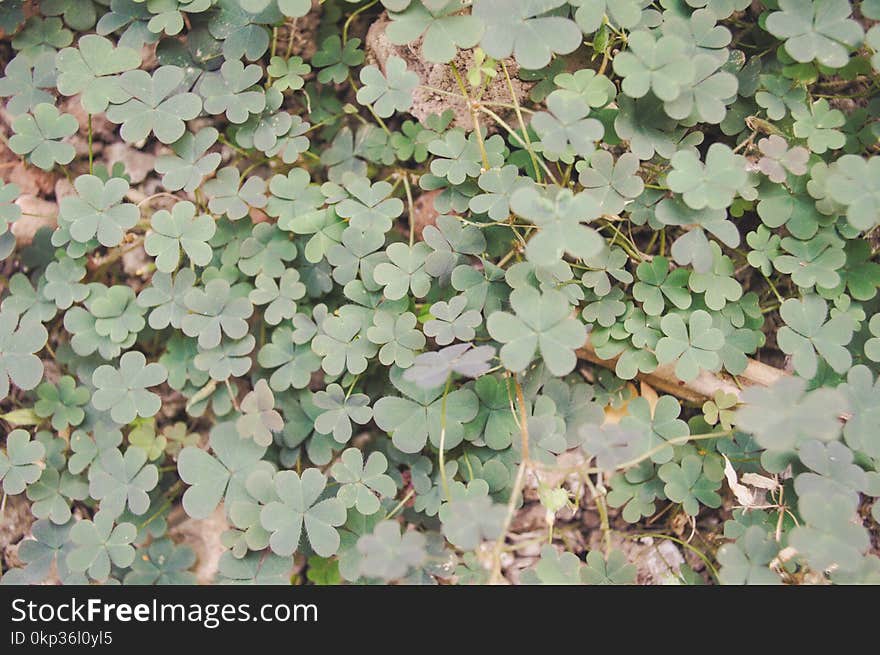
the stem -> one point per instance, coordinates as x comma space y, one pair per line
399, 505
409, 204
352, 17
602, 508
473, 112
495, 574
516, 136
522, 124
91, 155
442, 459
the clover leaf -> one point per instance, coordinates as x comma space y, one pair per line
362, 481
693, 347
807, 335
521, 29
387, 554
423, 413
232, 91
63, 402
122, 481
559, 215
228, 196
215, 310
541, 323
661, 65
713, 183
688, 483
165, 563
258, 418
123, 390
442, 28
471, 517
38, 135
98, 210
820, 30
92, 70
19, 465
191, 161
154, 106
299, 506
390, 92
340, 409
100, 543
19, 340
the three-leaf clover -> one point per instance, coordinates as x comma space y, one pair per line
687, 483
92, 69
258, 418
122, 481
63, 402
339, 410
360, 481
541, 323
38, 135
693, 346
98, 210
123, 390
215, 310
390, 92
816, 29
19, 340
19, 465
806, 335
299, 506
155, 106
180, 229
100, 542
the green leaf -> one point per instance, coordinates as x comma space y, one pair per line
92, 70
299, 506
123, 390
38, 135
541, 323
19, 465
387, 554
390, 92
180, 229
816, 29
443, 30
19, 340
360, 482
807, 335
259, 418
121, 482
100, 543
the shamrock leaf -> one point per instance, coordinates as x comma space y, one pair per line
154, 106
63, 282
442, 28
232, 91
521, 29
191, 161
228, 196
541, 323
388, 555
98, 210
122, 481
405, 272
687, 483
298, 506
342, 344
258, 418
806, 335
662, 65
287, 73
559, 215
694, 347
420, 414
223, 475
778, 159
86, 448
614, 569
52, 493
340, 409
471, 517
566, 126
334, 59
784, 414
712, 184
817, 125
38, 135
656, 283
362, 481
166, 295
390, 92
452, 321
852, 184
179, 229
63, 402
92, 69
816, 29
430, 369
165, 563
397, 336
100, 542
659, 421
499, 185
26, 82
214, 310
612, 184
123, 390
20, 464
370, 209
229, 359
554, 568
281, 297
19, 340
295, 362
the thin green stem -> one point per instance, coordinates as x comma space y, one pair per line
442, 458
